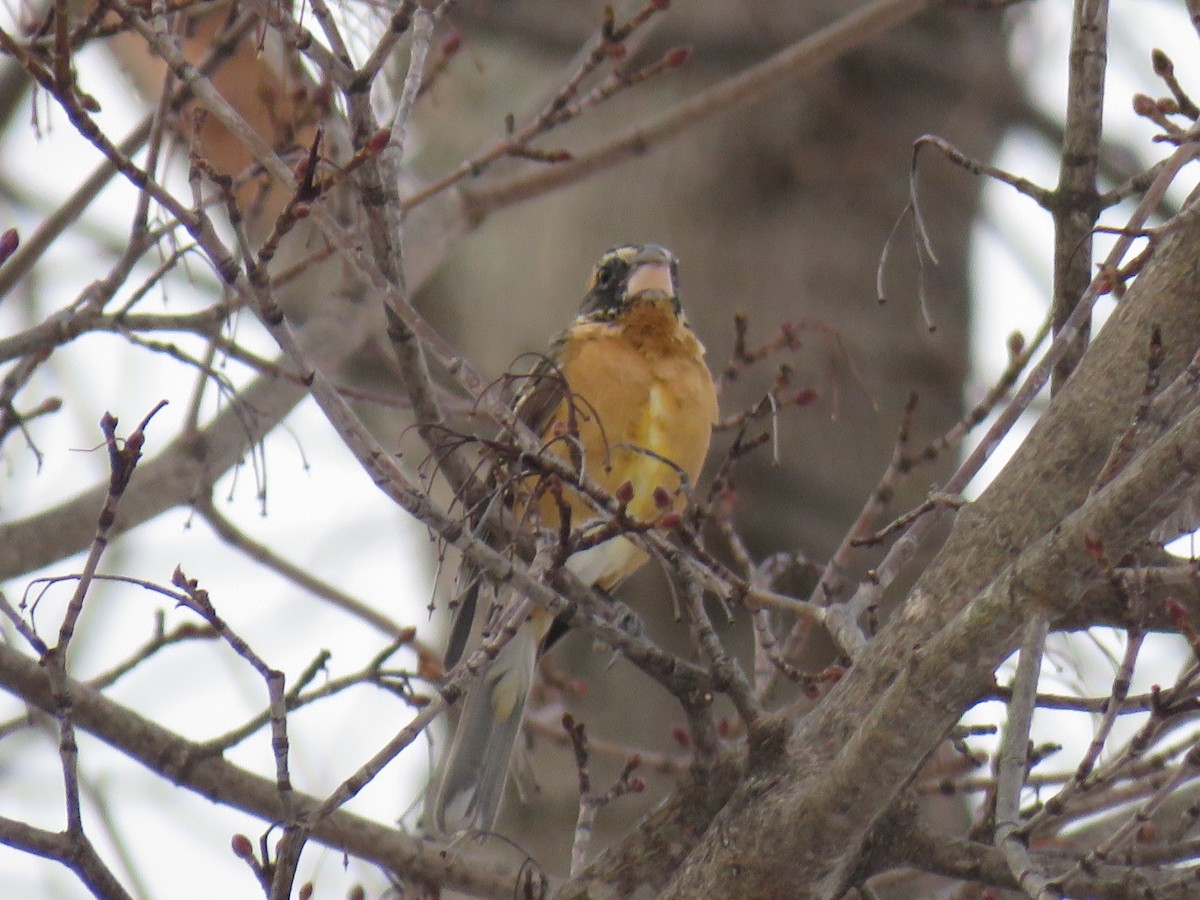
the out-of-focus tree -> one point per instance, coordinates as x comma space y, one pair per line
372, 213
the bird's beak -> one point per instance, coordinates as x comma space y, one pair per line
651, 274
652, 277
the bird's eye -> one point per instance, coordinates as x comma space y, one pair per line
606, 286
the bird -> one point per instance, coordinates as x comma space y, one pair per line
624, 396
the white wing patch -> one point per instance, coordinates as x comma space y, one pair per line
598, 563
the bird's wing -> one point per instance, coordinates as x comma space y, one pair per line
543, 390
538, 397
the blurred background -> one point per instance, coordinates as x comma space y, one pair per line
780, 209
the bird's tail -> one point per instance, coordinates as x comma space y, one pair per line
475, 772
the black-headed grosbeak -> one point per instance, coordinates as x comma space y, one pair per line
626, 394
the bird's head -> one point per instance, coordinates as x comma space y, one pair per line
632, 276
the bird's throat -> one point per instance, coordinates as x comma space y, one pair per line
652, 324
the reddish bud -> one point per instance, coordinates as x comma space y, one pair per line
670, 520
241, 846
357, 893
660, 4
452, 43
1147, 834
302, 170
419, 701
811, 691
301, 211
624, 492
1162, 63
377, 142
804, 396
1168, 106
677, 56
662, 499
9, 242
1016, 343
305, 892
637, 785
618, 51
682, 736
723, 727
579, 687
1093, 544
88, 102
1143, 105
1176, 612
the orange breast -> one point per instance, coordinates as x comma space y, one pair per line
643, 397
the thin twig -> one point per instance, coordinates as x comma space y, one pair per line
1011, 767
